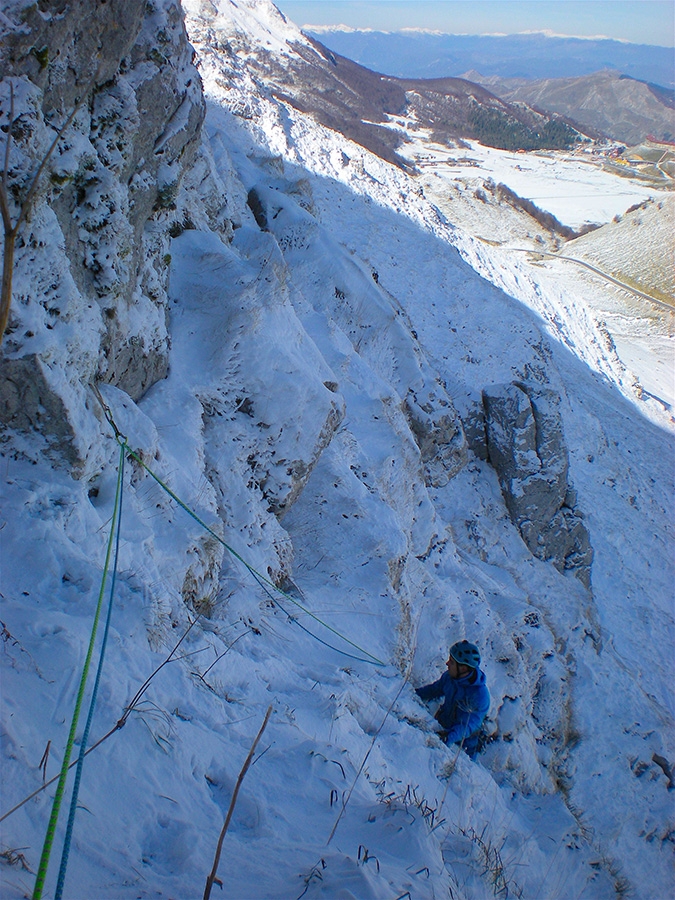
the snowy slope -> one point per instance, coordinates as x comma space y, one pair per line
637, 246
283, 424
576, 190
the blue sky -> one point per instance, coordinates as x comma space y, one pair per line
638, 21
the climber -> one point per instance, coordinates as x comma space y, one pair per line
466, 699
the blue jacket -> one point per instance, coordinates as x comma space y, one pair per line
464, 706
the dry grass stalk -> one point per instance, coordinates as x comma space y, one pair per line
212, 877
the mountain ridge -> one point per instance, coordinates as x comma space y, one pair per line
361, 104
601, 97
526, 55
622, 107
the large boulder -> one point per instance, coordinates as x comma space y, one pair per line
526, 446
28, 401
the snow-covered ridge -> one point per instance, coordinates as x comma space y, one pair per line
254, 21
328, 341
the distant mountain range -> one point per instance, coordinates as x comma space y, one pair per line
414, 54
616, 105
609, 88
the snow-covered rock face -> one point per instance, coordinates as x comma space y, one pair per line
526, 445
325, 342
101, 219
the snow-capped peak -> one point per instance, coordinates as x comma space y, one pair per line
259, 20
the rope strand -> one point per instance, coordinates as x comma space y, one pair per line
60, 788
94, 694
261, 579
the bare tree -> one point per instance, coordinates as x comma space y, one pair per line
12, 228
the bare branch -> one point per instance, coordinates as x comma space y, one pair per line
25, 206
9, 131
212, 877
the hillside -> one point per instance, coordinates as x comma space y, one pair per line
275, 432
634, 248
606, 102
364, 105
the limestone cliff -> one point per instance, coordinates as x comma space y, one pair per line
91, 258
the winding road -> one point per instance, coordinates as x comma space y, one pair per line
610, 278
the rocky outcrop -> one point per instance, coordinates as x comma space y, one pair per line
526, 446
105, 202
438, 433
29, 403
473, 423
371, 318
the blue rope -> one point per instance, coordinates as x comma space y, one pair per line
294, 619
317, 638
92, 703
65, 765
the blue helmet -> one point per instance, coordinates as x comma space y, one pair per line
466, 654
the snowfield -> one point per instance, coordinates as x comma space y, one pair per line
298, 336
573, 187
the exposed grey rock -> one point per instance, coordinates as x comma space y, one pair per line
28, 403
133, 367
61, 46
256, 206
438, 433
299, 470
473, 422
111, 181
526, 446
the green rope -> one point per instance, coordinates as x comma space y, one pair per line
60, 788
372, 660
67, 841
261, 579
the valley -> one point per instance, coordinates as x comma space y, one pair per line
631, 222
